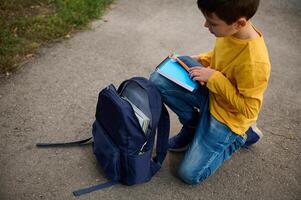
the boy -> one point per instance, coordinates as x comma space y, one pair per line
220, 117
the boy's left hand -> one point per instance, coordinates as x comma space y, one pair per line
201, 74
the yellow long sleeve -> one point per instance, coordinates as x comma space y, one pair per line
205, 58
237, 87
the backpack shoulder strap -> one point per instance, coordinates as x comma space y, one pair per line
162, 141
65, 144
94, 188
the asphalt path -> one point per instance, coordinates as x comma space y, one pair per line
53, 98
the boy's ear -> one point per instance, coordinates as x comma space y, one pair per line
240, 23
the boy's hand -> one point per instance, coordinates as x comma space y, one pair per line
201, 74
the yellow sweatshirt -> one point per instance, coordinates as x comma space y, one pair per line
237, 87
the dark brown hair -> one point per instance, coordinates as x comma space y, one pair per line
229, 10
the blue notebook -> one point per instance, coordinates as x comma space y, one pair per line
172, 70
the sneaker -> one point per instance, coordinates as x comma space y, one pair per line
179, 143
253, 135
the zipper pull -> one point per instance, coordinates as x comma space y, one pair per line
141, 151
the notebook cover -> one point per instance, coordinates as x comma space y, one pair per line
172, 70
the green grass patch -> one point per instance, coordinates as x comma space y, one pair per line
27, 24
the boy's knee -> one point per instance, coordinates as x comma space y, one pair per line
187, 175
192, 177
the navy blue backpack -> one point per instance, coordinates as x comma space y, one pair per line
121, 146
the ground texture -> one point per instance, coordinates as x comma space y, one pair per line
53, 98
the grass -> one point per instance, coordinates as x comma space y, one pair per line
25, 25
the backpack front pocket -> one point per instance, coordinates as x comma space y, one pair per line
138, 168
106, 152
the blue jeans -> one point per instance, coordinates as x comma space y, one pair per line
213, 142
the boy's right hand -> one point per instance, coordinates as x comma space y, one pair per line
201, 74
197, 58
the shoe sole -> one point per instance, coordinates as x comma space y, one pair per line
257, 131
